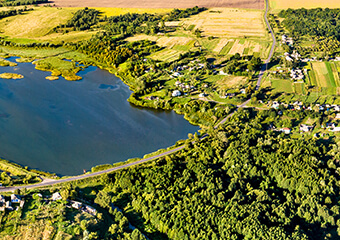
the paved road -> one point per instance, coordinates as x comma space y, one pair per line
50, 182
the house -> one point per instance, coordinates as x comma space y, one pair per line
15, 198
90, 210
335, 129
56, 196
286, 130
176, 74
176, 93
22, 203
8, 205
306, 128
275, 105
337, 116
202, 95
76, 205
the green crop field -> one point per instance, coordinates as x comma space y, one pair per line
282, 86
325, 75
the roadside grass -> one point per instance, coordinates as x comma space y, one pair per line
284, 4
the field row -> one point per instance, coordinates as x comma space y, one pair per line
323, 78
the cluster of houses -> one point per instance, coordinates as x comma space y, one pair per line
287, 40
75, 204
290, 57
299, 106
297, 74
194, 65
184, 87
9, 204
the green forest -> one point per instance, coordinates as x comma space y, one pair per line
312, 22
243, 182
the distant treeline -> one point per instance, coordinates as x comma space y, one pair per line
312, 22
9, 13
127, 24
21, 2
132, 23
82, 20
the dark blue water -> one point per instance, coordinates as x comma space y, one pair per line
67, 126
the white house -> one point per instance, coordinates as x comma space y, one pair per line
286, 130
176, 93
56, 196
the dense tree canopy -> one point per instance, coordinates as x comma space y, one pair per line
243, 182
312, 22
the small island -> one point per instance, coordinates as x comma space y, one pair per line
11, 76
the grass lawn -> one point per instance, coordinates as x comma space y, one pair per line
280, 85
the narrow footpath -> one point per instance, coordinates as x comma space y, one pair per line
50, 182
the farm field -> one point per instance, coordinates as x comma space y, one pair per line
325, 75
322, 80
254, 4
229, 22
228, 39
37, 25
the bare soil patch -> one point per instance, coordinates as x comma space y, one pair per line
253, 4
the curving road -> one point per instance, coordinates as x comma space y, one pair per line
50, 182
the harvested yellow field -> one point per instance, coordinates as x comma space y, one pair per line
167, 55
230, 22
142, 37
162, 40
231, 81
221, 45
120, 11
255, 4
284, 4
172, 41
236, 48
36, 23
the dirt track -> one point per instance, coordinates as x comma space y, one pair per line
254, 4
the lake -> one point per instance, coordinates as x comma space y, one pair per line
67, 126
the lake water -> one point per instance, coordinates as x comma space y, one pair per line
67, 126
